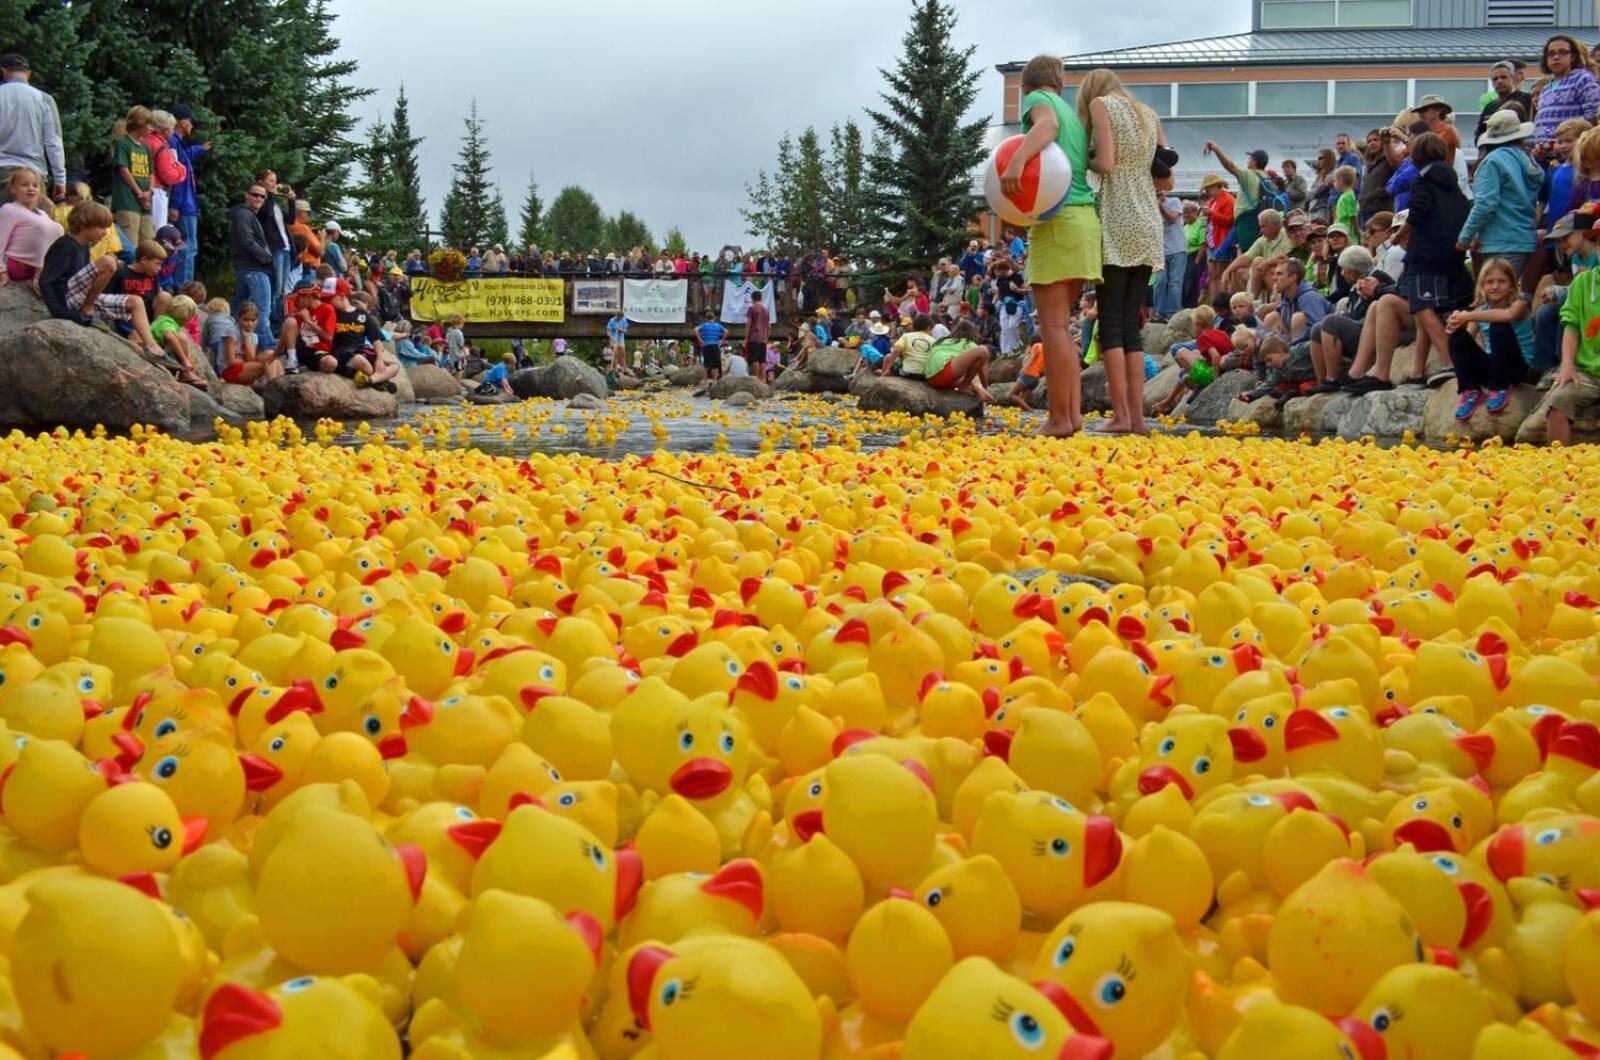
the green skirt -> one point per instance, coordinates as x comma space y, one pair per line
1066, 247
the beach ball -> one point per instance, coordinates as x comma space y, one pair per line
1046, 179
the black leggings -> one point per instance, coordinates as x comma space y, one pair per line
1119, 298
1480, 369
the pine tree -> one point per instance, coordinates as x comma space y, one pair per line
673, 242
468, 214
806, 195
761, 214
574, 221
626, 231
529, 230
497, 230
411, 215
924, 176
376, 222
323, 116
848, 221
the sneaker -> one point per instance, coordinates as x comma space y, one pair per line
1327, 386
1468, 404
1497, 400
1548, 380
1370, 385
387, 386
1441, 377
1415, 382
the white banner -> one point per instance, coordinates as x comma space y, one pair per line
738, 294
655, 301
596, 297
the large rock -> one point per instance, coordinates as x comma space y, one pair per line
242, 401
1181, 327
1161, 387
238, 403
877, 393
55, 372
833, 360
404, 391
1400, 367
730, 385
1096, 388
690, 376
1210, 405
1266, 412
1005, 369
586, 403
1536, 431
1303, 415
20, 307
319, 395
794, 381
1439, 415
1157, 338
741, 399
432, 383
1384, 414
629, 382
566, 378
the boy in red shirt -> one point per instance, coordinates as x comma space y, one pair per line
308, 325
1200, 359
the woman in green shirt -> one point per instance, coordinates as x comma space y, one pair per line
1063, 252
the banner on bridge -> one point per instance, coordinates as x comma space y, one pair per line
596, 297
511, 300
738, 294
655, 301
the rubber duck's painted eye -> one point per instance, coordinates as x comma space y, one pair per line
733, 668
372, 724
160, 838
1269, 722
1062, 804
277, 744
670, 991
1420, 805
330, 682
86, 684
685, 741
1382, 1021
1548, 836
446, 647
794, 684
815, 790
1202, 766
555, 776
1166, 746
1388, 694
1446, 864
465, 814
567, 799
166, 728
598, 856
1059, 847
1456, 821
1536, 709
167, 767
1110, 990
36, 621
231, 682
1026, 1030
1239, 717
1259, 800
1340, 713
294, 986
935, 896
727, 743
1063, 952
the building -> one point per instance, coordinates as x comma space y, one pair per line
1309, 69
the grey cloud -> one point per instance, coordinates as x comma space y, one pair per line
668, 107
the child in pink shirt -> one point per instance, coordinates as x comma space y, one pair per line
26, 231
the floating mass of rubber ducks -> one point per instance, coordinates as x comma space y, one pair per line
971, 746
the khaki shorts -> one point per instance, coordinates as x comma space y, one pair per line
1580, 400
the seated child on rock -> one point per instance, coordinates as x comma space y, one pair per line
167, 329
1287, 369
308, 324
356, 340
1576, 393
1029, 378
232, 345
1201, 360
77, 288
959, 362
497, 380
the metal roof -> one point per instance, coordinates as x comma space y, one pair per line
1334, 46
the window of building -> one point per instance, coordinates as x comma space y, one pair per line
1322, 14
1369, 97
1291, 97
1157, 97
1213, 99
1461, 93
1522, 13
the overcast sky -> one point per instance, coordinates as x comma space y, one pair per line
668, 107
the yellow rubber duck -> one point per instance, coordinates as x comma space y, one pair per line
883, 815
1295, 1033
1424, 1010
1054, 855
897, 954
730, 901
979, 1010
976, 904
135, 828
304, 1016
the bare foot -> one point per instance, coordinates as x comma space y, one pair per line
983, 394
1056, 429
1110, 427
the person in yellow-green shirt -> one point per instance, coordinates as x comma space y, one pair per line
112, 244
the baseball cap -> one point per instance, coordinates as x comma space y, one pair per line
1576, 221
1339, 230
182, 113
169, 237
332, 226
14, 62
333, 287
301, 206
874, 315
1296, 219
905, 322
1399, 221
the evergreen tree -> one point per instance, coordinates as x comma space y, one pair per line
848, 221
924, 175
411, 215
323, 115
498, 232
806, 195
469, 205
574, 221
624, 232
528, 232
673, 242
376, 223
761, 212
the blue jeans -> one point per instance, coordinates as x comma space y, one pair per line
255, 285
189, 225
1547, 335
281, 260
1169, 285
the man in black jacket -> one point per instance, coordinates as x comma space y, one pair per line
275, 226
252, 261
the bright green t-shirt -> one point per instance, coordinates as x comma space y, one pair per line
1582, 307
1071, 137
1346, 210
1249, 188
1195, 233
136, 157
163, 326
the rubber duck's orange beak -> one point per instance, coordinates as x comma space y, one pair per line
236, 704
1247, 658
14, 635
393, 746
1426, 836
630, 877
1368, 1042
194, 833
642, 969
415, 862
701, 778
683, 645
259, 774
1579, 741
234, 1012
854, 631
806, 824
453, 623
1068, 1006
301, 695
474, 836
1480, 911
588, 929
532, 694
464, 662
1305, 728
1027, 605
739, 881
997, 743
1248, 745
418, 712
129, 749
1479, 747
1153, 778
1508, 852
1102, 849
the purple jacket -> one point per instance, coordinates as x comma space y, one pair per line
183, 196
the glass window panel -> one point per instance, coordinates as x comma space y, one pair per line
1212, 99
1460, 93
1369, 97
1296, 14
1157, 97
1374, 12
1291, 97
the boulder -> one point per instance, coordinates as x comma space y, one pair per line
1209, 405
1157, 338
1334, 411
499, 397
877, 393
1535, 430
1439, 415
1180, 328
20, 307
1096, 388
1266, 412
238, 403
1005, 370
318, 395
741, 399
586, 403
794, 381
433, 383
404, 390
57, 373
1400, 367
566, 378
1303, 415
730, 385
205, 411
691, 376
1161, 387
242, 401
629, 382
1385, 414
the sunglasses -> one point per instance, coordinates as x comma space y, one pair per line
255, 195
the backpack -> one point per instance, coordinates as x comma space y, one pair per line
1276, 200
